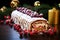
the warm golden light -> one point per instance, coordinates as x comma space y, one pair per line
59, 4
37, 3
14, 3
3, 9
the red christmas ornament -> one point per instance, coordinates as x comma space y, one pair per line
19, 26
15, 28
8, 17
15, 25
55, 29
34, 31
31, 33
1, 21
20, 30
5, 17
21, 33
25, 31
7, 21
50, 31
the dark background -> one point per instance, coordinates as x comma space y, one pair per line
31, 2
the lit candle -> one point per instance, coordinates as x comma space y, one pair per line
51, 16
56, 16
